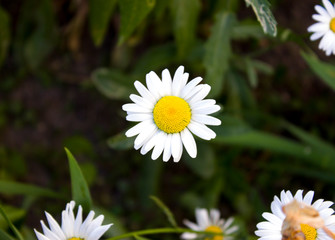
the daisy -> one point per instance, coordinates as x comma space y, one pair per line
211, 222
325, 27
73, 228
272, 228
168, 111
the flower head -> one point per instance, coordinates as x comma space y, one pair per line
211, 222
73, 228
325, 27
306, 225
168, 112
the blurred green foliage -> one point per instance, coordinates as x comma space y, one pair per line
61, 59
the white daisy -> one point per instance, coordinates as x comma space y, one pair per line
271, 229
73, 228
325, 27
210, 222
169, 110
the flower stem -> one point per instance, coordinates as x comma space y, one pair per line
159, 231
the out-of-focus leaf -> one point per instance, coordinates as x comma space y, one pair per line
4, 34
251, 72
137, 237
235, 132
324, 70
166, 211
10, 224
112, 83
42, 38
264, 15
204, 164
244, 30
99, 15
148, 184
308, 138
8, 187
14, 214
132, 14
120, 142
80, 190
218, 51
5, 236
117, 228
185, 15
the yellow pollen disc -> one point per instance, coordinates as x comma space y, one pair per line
172, 114
308, 231
75, 238
215, 229
332, 24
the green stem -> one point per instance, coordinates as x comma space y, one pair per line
160, 230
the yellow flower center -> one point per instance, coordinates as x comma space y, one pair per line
332, 24
308, 231
172, 114
216, 229
76, 238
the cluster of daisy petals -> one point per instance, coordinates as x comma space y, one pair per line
325, 27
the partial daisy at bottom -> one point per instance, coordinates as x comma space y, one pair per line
302, 223
325, 27
73, 228
168, 111
210, 221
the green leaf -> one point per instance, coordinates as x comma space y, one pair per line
5, 236
4, 34
324, 70
138, 237
251, 72
120, 142
10, 224
14, 214
112, 83
132, 14
247, 29
154, 58
218, 51
310, 139
204, 164
166, 211
8, 187
264, 15
185, 16
80, 190
99, 15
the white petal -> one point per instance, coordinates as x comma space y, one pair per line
272, 218
187, 235
316, 35
158, 149
321, 11
268, 226
318, 27
207, 120
154, 140
95, 224
277, 210
167, 149
203, 104
215, 216
201, 130
139, 117
144, 136
141, 101
48, 233
54, 226
167, 82
135, 108
321, 18
206, 110
40, 236
139, 128
178, 81
154, 85
201, 215
192, 225
309, 197
190, 86
98, 232
189, 142
86, 224
201, 94
176, 147
231, 230
329, 7
144, 92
